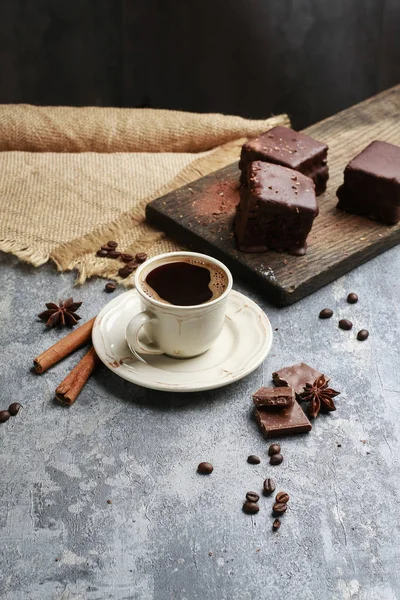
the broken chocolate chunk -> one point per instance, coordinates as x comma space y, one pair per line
287, 421
277, 397
296, 377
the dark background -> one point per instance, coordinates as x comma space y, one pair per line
309, 58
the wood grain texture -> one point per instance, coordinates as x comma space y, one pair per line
201, 215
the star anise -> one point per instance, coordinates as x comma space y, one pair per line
64, 314
319, 396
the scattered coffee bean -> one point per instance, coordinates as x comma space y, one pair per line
274, 449
102, 253
205, 468
13, 409
112, 244
114, 254
109, 501
362, 335
110, 287
279, 508
269, 486
276, 459
141, 257
253, 459
250, 508
282, 497
124, 272
345, 324
4, 416
352, 298
133, 264
106, 247
126, 258
276, 524
252, 497
326, 313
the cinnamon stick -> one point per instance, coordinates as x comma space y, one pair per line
64, 347
69, 389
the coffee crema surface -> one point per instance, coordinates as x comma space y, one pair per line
185, 282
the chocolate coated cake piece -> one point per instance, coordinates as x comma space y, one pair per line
372, 184
289, 148
276, 210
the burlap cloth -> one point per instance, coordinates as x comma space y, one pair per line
73, 178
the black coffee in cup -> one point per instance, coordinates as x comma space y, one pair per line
185, 282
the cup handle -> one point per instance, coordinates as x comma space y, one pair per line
133, 330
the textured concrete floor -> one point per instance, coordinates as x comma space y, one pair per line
170, 533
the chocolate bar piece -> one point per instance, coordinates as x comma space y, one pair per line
287, 421
296, 377
372, 184
273, 397
276, 210
289, 148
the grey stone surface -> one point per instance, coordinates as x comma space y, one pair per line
169, 532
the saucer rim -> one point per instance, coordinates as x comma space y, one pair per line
100, 348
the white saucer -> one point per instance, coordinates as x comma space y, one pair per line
241, 347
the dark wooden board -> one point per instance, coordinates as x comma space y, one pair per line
200, 215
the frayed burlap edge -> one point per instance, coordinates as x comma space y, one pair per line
80, 253
35, 257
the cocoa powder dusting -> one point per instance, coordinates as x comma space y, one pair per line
221, 200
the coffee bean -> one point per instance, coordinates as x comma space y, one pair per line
205, 468
110, 287
133, 265
276, 459
362, 335
126, 258
4, 416
276, 524
250, 508
282, 497
141, 257
102, 253
279, 508
253, 459
112, 244
105, 247
326, 313
13, 409
269, 486
352, 298
345, 324
252, 497
114, 254
274, 449
124, 272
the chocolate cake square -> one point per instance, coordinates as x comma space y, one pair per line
372, 184
276, 210
289, 148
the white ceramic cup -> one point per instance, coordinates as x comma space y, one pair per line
179, 331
